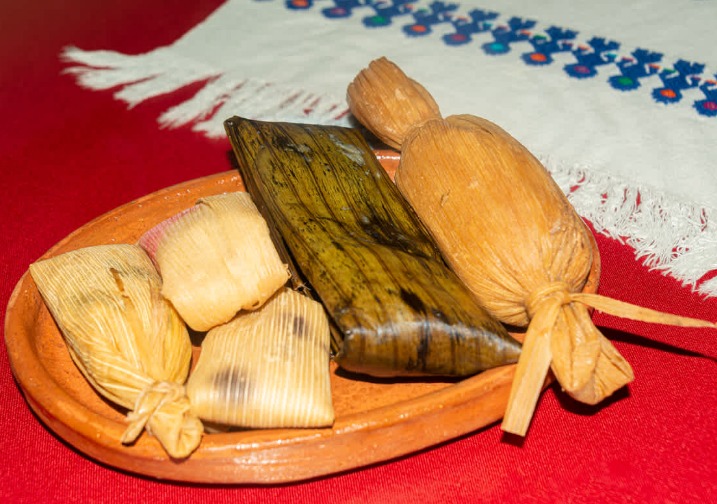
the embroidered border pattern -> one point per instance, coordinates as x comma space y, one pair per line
478, 24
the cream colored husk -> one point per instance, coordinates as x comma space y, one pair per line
216, 259
267, 368
124, 337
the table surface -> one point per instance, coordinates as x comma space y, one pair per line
68, 155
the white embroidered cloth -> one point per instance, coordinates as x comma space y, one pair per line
618, 99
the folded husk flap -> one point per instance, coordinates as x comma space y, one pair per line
508, 231
124, 337
398, 308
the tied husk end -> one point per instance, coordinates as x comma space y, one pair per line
389, 103
585, 363
163, 409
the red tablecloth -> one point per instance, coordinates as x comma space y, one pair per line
68, 155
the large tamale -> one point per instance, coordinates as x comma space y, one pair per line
398, 308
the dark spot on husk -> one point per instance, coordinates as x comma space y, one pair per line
422, 351
288, 145
412, 300
299, 326
232, 384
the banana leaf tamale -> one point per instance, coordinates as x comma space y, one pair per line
398, 308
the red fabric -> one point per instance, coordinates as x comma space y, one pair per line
68, 155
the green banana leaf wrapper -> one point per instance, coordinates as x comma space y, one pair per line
354, 242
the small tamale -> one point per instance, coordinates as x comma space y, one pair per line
124, 337
266, 368
215, 259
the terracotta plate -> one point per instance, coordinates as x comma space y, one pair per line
375, 420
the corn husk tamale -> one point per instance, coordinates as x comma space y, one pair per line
216, 258
126, 339
507, 230
267, 368
399, 310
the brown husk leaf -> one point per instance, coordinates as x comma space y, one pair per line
508, 231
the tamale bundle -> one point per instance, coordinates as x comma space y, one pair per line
215, 259
124, 337
509, 233
397, 307
267, 368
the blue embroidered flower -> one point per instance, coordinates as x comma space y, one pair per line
597, 52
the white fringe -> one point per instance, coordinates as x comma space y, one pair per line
139, 77
255, 99
668, 235
163, 71
671, 236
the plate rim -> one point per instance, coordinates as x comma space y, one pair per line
255, 456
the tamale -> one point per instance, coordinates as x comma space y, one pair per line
215, 259
124, 337
507, 230
398, 308
267, 368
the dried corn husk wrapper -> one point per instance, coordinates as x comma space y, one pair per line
508, 231
127, 340
267, 368
216, 258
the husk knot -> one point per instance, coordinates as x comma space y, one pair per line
553, 291
164, 410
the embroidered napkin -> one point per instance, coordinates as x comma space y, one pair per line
618, 99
